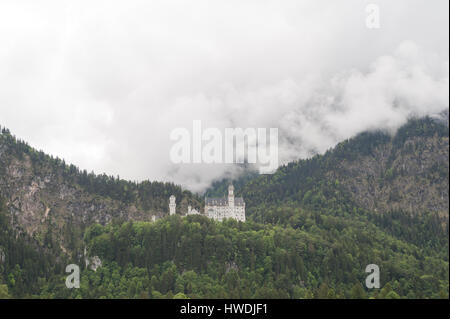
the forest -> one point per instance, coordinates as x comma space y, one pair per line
195, 257
311, 229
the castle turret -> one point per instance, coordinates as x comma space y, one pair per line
172, 205
231, 195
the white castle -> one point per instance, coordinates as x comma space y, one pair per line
172, 205
221, 208
217, 208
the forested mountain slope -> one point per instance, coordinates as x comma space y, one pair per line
374, 171
44, 195
312, 227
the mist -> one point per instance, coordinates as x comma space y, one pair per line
102, 84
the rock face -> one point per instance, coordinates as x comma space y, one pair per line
412, 177
37, 200
44, 195
93, 263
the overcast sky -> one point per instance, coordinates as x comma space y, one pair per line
102, 83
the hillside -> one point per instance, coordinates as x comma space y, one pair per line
374, 172
43, 194
312, 226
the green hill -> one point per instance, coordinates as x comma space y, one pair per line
312, 228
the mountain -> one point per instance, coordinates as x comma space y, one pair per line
45, 194
313, 226
374, 171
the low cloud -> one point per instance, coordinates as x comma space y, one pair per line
103, 83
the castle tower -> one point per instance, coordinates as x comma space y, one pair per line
231, 195
172, 205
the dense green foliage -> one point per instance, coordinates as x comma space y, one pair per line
195, 257
24, 265
309, 183
307, 235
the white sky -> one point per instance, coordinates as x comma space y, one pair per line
102, 83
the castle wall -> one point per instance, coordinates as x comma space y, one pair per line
221, 212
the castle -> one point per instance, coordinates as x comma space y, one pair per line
173, 207
221, 208
217, 208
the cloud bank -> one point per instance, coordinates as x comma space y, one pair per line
103, 83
